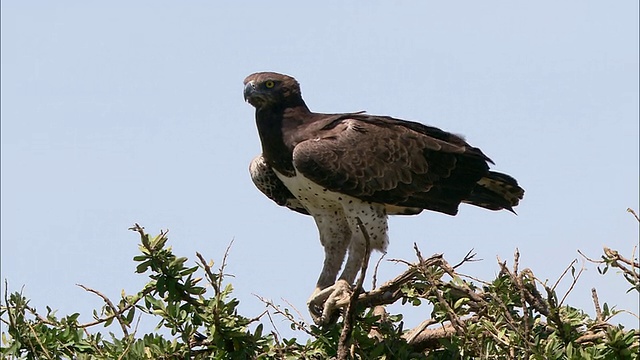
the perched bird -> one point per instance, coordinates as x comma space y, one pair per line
345, 168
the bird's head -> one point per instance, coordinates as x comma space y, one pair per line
269, 89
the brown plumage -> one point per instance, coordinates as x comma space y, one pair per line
339, 167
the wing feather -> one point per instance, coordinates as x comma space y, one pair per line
384, 160
269, 184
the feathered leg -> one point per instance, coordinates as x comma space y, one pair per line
337, 295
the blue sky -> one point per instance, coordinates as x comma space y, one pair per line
133, 112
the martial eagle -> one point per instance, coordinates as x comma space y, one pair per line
341, 168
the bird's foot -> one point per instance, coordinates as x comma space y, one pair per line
324, 302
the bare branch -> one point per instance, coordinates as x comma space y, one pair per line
299, 324
144, 292
422, 337
573, 284
614, 255
467, 258
35, 334
117, 313
596, 303
411, 335
210, 275
563, 274
390, 291
374, 280
594, 261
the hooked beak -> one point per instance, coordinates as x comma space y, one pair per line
249, 89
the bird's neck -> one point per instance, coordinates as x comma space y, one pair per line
276, 127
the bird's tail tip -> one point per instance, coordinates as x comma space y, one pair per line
496, 191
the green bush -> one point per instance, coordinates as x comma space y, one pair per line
514, 316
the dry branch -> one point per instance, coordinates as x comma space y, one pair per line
430, 332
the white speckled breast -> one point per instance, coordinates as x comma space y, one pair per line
321, 202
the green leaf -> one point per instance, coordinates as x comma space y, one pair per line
141, 268
140, 257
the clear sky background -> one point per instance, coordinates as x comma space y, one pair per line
121, 112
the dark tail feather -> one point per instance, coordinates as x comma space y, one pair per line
496, 191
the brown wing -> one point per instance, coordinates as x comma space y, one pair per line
391, 161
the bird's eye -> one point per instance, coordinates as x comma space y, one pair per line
269, 84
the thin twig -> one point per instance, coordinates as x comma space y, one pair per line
402, 261
130, 340
297, 312
525, 312
563, 274
210, 275
596, 303
467, 258
418, 253
257, 318
299, 324
516, 262
116, 311
224, 263
374, 281
484, 282
144, 292
276, 334
590, 259
35, 334
12, 323
573, 284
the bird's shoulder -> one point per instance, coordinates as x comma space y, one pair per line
266, 180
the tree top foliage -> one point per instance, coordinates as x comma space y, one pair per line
514, 316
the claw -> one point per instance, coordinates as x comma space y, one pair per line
324, 302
